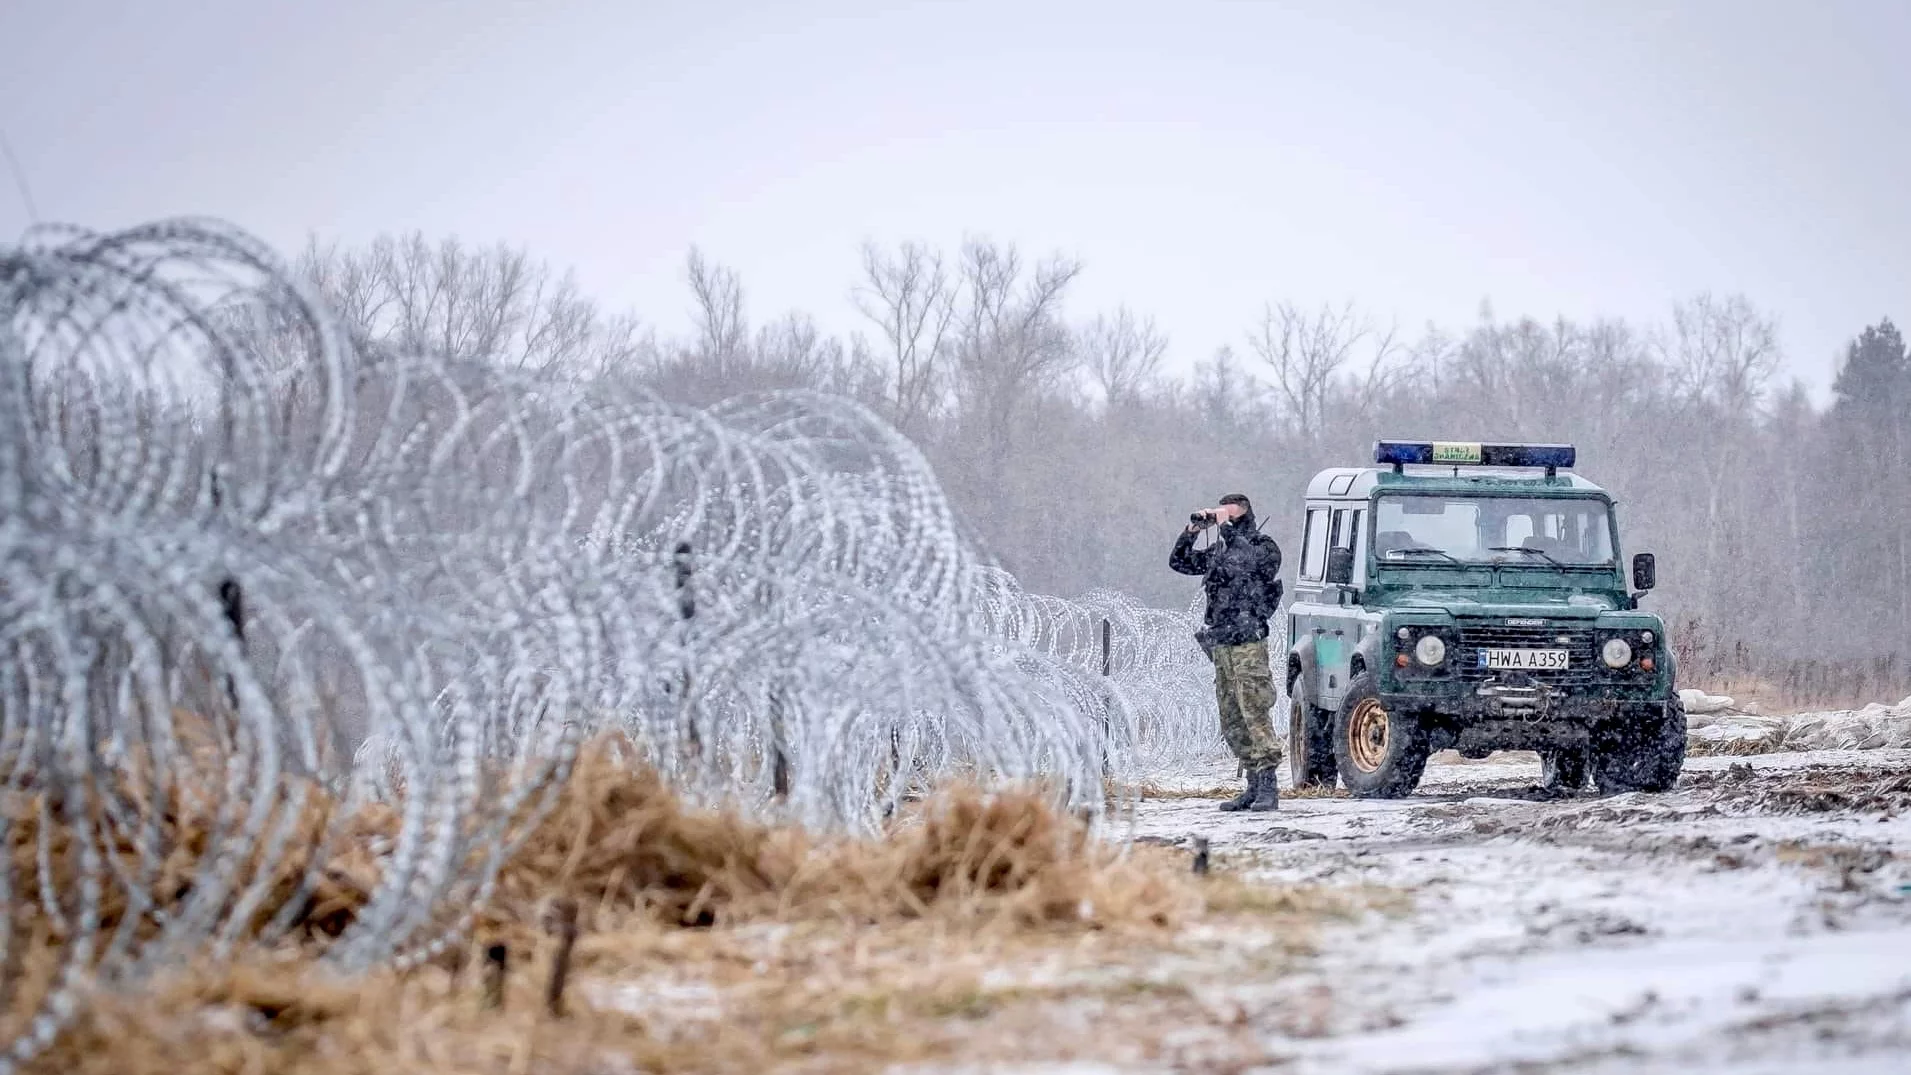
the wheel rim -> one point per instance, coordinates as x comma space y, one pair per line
1367, 735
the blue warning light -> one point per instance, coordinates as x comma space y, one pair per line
1399, 453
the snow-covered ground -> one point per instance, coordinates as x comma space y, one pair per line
1755, 919
1720, 725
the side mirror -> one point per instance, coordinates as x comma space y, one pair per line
1644, 571
1340, 566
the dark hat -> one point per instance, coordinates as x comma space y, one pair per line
1237, 498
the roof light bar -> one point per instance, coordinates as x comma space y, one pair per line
1400, 453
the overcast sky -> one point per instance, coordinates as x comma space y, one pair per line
1582, 158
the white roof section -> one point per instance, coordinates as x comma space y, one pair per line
1358, 483
1343, 483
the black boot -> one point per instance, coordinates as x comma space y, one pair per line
1239, 802
1264, 784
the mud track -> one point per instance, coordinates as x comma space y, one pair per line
1757, 918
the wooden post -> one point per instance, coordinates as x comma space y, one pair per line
564, 924
779, 754
496, 965
455, 964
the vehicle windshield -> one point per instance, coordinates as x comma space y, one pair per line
1481, 529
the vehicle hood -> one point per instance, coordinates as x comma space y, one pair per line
1563, 606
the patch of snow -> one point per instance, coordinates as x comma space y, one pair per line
1871, 728
669, 1001
1674, 933
1739, 730
1681, 997
1698, 702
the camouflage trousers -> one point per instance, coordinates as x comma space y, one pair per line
1244, 685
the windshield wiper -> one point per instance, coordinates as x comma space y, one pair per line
1414, 550
1521, 548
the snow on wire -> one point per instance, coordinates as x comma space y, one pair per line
236, 541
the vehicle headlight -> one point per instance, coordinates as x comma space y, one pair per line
1617, 653
1430, 650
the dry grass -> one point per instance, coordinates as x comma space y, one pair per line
1713, 657
287, 1017
807, 998
181, 835
623, 845
713, 943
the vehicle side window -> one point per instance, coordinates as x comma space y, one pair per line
1346, 528
1314, 546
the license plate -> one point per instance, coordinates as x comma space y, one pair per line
1524, 660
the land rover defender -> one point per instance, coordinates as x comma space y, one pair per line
1471, 596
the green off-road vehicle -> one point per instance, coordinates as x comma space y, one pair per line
1471, 596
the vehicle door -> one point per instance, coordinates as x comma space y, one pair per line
1307, 612
1340, 630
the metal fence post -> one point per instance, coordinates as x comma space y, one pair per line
686, 611
779, 757
232, 601
1108, 694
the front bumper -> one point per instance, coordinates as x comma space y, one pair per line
1499, 715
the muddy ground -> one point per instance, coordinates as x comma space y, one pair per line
1755, 919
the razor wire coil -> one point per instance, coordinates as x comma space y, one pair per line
250, 565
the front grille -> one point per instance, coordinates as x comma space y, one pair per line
1580, 652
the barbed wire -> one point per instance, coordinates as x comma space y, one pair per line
250, 565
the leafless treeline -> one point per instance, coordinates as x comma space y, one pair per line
1072, 453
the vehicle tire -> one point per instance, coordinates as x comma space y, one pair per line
1644, 755
1565, 769
1380, 754
1310, 744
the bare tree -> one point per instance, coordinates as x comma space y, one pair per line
791, 352
1011, 341
1307, 351
1224, 396
721, 345
910, 298
348, 280
1524, 373
1725, 352
723, 358
489, 304
1122, 353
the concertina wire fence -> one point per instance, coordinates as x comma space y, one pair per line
244, 556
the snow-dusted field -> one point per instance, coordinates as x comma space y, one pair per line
1755, 919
